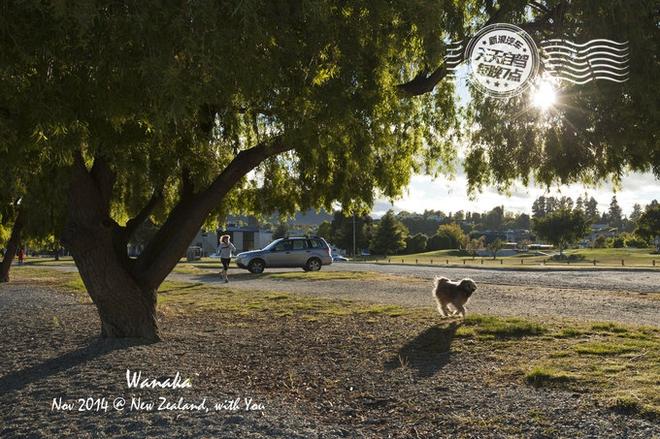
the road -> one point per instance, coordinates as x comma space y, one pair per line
639, 281
615, 296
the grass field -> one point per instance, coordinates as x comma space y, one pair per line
607, 257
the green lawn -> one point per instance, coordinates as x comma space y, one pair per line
604, 257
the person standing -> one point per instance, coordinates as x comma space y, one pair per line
225, 249
21, 255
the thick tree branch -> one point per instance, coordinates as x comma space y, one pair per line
141, 217
187, 185
104, 178
423, 83
186, 218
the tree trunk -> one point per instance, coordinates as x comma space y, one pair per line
124, 290
12, 246
126, 308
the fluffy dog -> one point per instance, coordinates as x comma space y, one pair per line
457, 294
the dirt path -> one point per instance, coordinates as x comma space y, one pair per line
544, 300
624, 280
336, 378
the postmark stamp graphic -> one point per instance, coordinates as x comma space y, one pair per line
503, 60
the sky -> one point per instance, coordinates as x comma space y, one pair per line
451, 195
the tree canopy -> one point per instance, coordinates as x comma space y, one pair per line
113, 113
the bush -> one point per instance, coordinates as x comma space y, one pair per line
416, 243
600, 242
439, 241
636, 242
567, 258
454, 233
618, 242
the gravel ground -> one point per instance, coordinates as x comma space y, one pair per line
339, 377
625, 280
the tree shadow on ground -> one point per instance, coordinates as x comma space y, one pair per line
96, 348
428, 352
214, 277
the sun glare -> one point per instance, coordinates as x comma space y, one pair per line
544, 95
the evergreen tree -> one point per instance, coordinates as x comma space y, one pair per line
615, 214
390, 235
551, 204
565, 203
591, 210
538, 207
636, 213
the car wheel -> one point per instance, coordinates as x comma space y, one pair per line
256, 266
314, 264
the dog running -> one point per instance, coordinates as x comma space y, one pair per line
451, 293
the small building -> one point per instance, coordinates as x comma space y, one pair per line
246, 238
518, 235
598, 230
207, 241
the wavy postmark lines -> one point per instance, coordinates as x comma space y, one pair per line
582, 63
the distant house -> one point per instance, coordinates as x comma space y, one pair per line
248, 237
207, 241
601, 230
518, 235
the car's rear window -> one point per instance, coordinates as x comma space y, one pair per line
316, 243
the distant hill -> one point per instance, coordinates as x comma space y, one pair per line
307, 218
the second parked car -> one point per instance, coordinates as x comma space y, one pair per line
308, 253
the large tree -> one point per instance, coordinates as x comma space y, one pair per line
648, 224
162, 111
561, 227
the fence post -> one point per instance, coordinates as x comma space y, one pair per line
402, 261
654, 262
416, 262
431, 261
622, 264
522, 262
594, 262
463, 261
389, 261
447, 261
501, 261
482, 261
